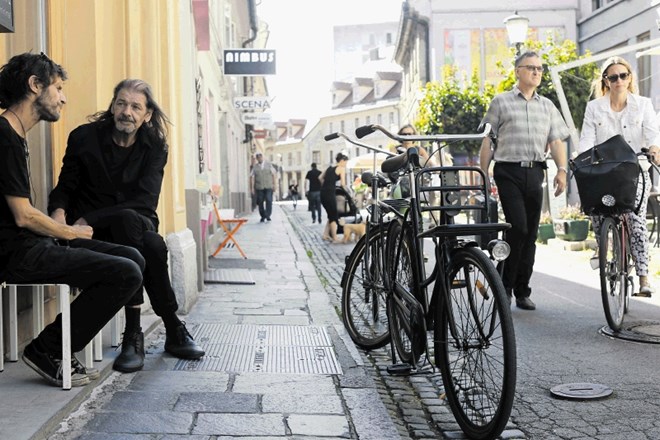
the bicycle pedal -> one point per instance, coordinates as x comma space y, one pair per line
399, 369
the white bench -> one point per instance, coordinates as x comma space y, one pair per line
93, 351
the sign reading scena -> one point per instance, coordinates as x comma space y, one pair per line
249, 62
252, 103
258, 119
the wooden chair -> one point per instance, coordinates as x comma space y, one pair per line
230, 227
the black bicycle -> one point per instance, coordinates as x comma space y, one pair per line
364, 280
468, 310
615, 261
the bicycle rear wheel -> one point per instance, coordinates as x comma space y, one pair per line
406, 315
475, 345
613, 279
363, 295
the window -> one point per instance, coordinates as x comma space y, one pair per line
332, 158
289, 159
298, 158
316, 157
388, 38
357, 122
341, 127
368, 120
644, 69
379, 119
392, 118
330, 130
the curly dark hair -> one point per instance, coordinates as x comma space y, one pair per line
15, 75
156, 129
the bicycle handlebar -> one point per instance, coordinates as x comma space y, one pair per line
339, 134
365, 130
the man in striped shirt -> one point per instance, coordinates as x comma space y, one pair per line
526, 126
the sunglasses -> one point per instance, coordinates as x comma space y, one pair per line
531, 68
407, 134
613, 78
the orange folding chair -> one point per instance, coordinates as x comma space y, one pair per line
230, 226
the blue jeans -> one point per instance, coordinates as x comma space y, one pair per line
315, 204
265, 202
108, 274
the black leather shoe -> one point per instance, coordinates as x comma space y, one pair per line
525, 303
179, 343
131, 357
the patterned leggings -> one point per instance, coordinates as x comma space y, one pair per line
639, 240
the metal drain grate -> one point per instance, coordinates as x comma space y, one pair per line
228, 276
263, 348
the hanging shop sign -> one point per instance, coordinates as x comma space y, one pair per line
249, 62
252, 103
6, 16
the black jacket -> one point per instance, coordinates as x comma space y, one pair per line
85, 188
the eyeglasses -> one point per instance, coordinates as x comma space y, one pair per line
613, 78
531, 68
407, 134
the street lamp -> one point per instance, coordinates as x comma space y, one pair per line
516, 28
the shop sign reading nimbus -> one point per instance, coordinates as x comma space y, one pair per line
252, 103
6, 16
249, 62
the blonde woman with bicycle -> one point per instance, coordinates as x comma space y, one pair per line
617, 109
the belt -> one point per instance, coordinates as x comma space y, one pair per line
525, 164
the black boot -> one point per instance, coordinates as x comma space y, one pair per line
131, 357
179, 343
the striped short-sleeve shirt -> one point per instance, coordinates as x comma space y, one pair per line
524, 128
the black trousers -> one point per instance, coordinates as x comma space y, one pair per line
129, 228
521, 195
108, 274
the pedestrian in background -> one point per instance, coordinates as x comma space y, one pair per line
526, 124
313, 192
293, 193
34, 248
329, 179
262, 182
111, 179
617, 109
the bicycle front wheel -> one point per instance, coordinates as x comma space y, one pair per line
363, 297
475, 345
613, 279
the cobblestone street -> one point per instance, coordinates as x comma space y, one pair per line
413, 401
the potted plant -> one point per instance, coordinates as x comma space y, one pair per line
546, 228
571, 224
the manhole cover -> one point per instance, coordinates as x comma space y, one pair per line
294, 349
641, 331
581, 391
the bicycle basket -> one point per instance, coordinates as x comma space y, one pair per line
606, 177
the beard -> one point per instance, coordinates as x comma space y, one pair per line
125, 126
45, 111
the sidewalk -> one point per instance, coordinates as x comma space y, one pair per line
278, 364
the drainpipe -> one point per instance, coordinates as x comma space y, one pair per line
252, 12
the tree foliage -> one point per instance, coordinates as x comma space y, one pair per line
454, 107
457, 104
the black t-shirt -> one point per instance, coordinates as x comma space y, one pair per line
313, 177
115, 159
14, 181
